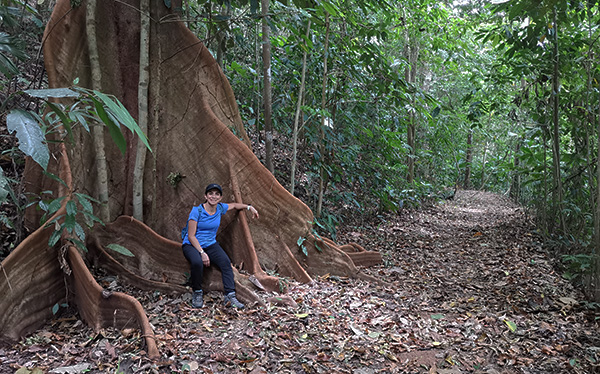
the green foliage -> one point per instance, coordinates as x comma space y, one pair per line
577, 265
34, 132
90, 105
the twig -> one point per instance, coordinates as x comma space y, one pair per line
6, 276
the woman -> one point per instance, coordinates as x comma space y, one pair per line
200, 245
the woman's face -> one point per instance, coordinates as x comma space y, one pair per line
213, 197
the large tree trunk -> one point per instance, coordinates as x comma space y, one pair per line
193, 106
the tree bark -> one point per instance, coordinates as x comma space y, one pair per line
557, 181
297, 116
412, 55
194, 107
322, 172
97, 129
468, 160
144, 76
266, 55
515, 186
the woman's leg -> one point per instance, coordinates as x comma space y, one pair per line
218, 257
196, 265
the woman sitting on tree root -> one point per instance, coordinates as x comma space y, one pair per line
200, 246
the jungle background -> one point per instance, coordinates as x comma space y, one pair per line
402, 105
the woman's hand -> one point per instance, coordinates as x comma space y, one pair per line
205, 259
253, 211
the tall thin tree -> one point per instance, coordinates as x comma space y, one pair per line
266, 54
323, 118
97, 129
297, 115
144, 76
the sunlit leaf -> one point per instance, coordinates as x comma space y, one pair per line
52, 92
30, 135
511, 325
120, 249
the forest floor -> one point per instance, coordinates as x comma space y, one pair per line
466, 287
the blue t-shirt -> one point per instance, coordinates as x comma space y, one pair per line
206, 231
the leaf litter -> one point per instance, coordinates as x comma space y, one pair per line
467, 287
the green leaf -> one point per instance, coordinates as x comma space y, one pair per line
54, 205
71, 208
120, 249
85, 202
122, 115
55, 178
511, 325
54, 238
113, 129
66, 121
437, 316
330, 8
69, 223
30, 135
4, 186
7, 67
79, 244
55, 308
79, 231
52, 92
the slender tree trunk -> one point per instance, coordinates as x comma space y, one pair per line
482, 184
144, 77
297, 116
515, 186
323, 119
557, 183
221, 35
266, 49
412, 55
596, 253
256, 100
97, 129
468, 161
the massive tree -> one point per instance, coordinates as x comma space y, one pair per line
197, 137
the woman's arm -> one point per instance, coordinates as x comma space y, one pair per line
241, 206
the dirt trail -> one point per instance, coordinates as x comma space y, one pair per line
467, 288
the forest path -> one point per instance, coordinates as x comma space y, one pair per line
466, 288
476, 284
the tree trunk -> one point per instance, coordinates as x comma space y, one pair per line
593, 287
266, 54
483, 162
468, 160
515, 186
97, 129
297, 116
144, 76
412, 55
557, 182
194, 105
322, 173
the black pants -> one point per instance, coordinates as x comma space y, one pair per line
217, 257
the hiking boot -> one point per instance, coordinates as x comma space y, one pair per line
231, 300
197, 299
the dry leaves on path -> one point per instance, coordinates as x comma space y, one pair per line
467, 288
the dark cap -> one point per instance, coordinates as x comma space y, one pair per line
213, 186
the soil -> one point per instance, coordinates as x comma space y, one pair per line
466, 287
